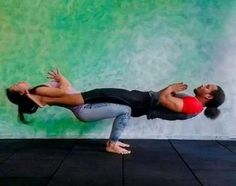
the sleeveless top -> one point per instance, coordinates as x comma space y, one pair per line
156, 110
70, 90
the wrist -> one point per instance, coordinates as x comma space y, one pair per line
170, 90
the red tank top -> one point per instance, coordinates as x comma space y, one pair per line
191, 105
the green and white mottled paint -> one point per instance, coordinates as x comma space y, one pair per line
133, 44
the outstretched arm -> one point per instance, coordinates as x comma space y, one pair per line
168, 99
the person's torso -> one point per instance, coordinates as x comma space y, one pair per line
156, 110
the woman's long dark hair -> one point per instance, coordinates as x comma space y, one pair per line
25, 105
212, 110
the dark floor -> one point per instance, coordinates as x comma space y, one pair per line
84, 162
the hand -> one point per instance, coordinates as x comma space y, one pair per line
178, 87
24, 91
55, 75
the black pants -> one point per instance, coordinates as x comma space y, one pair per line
138, 101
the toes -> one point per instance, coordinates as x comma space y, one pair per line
124, 151
128, 152
123, 144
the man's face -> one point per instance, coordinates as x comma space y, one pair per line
205, 90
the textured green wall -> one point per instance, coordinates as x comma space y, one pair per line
142, 44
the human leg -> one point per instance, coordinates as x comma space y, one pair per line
92, 112
119, 124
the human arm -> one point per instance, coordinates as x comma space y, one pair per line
60, 90
56, 76
167, 97
49, 91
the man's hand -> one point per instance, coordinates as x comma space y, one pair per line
177, 87
167, 97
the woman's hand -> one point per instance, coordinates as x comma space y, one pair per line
55, 75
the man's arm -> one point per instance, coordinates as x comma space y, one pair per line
167, 97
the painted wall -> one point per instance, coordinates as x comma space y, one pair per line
143, 44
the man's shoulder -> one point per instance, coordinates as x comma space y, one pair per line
191, 105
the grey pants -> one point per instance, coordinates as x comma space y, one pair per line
98, 111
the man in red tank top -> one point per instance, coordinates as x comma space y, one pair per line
209, 96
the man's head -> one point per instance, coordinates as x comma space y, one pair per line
212, 96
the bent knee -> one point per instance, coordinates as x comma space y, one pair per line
127, 110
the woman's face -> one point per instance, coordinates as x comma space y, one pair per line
20, 87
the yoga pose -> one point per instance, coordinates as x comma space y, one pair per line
97, 104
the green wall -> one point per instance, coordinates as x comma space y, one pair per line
142, 44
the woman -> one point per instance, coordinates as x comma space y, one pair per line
86, 112
166, 104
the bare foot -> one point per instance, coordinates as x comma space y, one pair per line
122, 144
119, 143
115, 148
36, 99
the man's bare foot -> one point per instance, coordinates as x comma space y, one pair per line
115, 148
36, 99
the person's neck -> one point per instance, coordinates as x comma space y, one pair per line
201, 99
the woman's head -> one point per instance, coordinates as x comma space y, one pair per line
16, 94
20, 87
218, 98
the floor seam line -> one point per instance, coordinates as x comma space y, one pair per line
185, 163
13, 153
225, 147
59, 166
